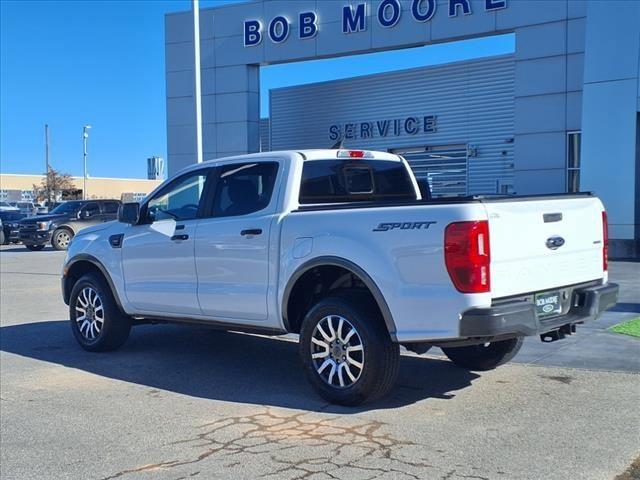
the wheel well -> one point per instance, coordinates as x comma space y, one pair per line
64, 227
318, 282
76, 271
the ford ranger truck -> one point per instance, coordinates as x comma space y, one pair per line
340, 247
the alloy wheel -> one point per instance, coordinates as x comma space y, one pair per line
89, 313
337, 351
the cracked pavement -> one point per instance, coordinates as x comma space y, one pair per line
191, 403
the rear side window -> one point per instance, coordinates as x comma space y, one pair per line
244, 188
331, 181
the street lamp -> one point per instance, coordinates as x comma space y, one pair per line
85, 136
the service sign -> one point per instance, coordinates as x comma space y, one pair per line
384, 128
354, 19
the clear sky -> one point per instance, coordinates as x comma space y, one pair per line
70, 63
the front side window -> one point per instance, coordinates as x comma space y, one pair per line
179, 200
330, 181
244, 188
90, 210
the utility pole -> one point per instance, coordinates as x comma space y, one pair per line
85, 136
46, 160
195, 6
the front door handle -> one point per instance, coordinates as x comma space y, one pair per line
251, 231
183, 236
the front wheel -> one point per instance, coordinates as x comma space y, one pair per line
96, 321
34, 248
485, 356
347, 353
61, 238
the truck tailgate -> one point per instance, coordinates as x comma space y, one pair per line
538, 245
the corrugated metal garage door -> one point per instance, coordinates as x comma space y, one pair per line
444, 167
473, 103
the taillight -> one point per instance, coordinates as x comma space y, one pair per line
605, 242
354, 154
467, 256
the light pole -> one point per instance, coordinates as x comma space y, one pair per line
195, 7
85, 136
46, 167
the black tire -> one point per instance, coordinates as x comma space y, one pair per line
3, 241
115, 327
485, 356
380, 356
61, 238
34, 248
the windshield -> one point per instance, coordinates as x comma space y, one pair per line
67, 207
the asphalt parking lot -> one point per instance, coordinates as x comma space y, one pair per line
184, 402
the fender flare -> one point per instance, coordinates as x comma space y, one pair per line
353, 268
85, 257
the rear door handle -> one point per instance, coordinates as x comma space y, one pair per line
184, 236
251, 231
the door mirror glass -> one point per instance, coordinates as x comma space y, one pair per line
129, 213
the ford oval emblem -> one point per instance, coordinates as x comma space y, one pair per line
554, 243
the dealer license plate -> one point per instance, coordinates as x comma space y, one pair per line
548, 304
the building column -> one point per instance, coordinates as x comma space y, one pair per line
610, 160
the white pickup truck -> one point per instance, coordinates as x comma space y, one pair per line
340, 247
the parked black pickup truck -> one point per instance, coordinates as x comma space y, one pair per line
64, 221
10, 221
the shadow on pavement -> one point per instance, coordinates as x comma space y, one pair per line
18, 248
225, 366
626, 307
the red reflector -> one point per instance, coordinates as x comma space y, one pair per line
467, 256
605, 242
356, 154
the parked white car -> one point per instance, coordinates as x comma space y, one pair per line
340, 247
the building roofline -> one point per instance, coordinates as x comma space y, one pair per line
88, 178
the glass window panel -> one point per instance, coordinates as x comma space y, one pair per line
180, 200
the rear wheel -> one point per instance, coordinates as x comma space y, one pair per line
34, 248
96, 321
2, 239
347, 352
61, 238
486, 356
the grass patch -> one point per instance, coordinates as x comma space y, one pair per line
630, 327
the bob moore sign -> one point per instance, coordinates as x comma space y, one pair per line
354, 19
384, 128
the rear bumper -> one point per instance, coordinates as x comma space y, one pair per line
520, 318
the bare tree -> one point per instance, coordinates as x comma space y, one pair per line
53, 185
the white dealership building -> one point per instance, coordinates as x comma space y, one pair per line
559, 114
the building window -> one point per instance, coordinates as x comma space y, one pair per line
573, 161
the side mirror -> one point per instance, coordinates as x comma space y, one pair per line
425, 189
129, 213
